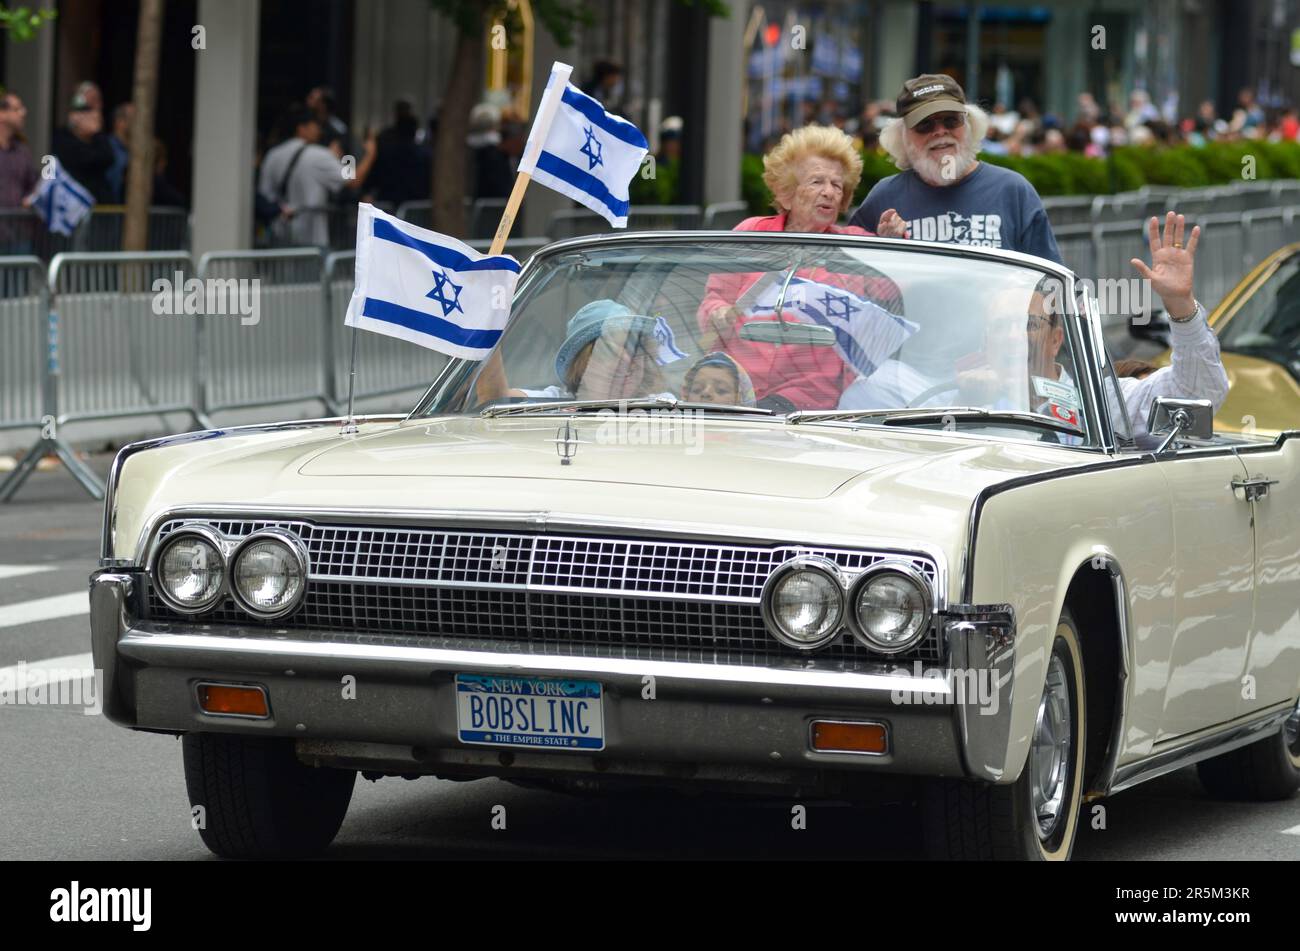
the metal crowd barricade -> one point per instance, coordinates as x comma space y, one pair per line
266, 338
385, 365
1220, 260
1065, 210
102, 229
1265, 231
124, 351
114, 347
724, 215
29, 353
1075, 242
521, 248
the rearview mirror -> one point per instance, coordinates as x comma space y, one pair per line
787, 331
1173, 418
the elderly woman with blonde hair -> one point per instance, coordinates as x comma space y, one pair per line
812, 174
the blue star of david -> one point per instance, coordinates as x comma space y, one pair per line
439, 293
592, 149
846, 309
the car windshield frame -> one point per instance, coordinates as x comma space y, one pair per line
1088, 352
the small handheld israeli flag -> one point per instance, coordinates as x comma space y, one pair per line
427, 288
61, 201
668, 351
580, 150
865, 333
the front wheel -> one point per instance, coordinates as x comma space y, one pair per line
1035, 817
257, 800
1266, 770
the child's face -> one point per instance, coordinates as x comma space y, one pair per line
713, 385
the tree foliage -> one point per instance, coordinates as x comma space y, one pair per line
23, 22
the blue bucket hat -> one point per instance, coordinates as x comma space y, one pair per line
588, 323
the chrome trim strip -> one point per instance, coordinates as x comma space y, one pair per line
152, 648
1200, 748
1110, 764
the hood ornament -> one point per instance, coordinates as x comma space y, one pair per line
566, 443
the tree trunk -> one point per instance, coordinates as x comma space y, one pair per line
450, 151
139, 179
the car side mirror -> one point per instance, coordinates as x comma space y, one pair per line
788, 331
1173, 418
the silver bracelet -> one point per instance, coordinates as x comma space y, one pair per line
1182, 320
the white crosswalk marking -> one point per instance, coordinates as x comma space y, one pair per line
44, 609
17, 571
1294, 830
52, 669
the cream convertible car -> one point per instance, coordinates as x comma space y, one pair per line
609, 557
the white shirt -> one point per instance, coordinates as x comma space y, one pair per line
1195, 372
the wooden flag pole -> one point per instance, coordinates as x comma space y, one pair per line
492, 383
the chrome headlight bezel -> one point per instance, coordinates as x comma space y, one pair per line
212, 537
814, 563
296, 548
909, 572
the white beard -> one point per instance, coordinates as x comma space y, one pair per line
931, 170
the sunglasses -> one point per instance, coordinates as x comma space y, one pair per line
950, 122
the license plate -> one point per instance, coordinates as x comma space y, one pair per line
499, 710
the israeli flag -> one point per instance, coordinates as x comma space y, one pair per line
580, 150
668, 351
865, 333
61, 201
427, 288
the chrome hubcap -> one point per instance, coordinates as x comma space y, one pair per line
1051, 754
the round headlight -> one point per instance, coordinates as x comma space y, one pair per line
803, 602
189, 573
891, 608
268, 573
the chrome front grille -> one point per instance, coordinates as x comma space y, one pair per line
602, 596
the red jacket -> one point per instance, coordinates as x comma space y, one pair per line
809, 377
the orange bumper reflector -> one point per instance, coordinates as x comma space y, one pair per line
244, 701
829, 736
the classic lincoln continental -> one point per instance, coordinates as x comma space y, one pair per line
749, 513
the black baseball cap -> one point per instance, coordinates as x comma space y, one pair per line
927, 94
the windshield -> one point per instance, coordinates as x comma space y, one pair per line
801, 331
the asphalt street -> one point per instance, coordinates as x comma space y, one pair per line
74, 786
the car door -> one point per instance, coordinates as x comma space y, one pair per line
1214, 551
1273, 659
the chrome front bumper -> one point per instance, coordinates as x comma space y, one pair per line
705, 719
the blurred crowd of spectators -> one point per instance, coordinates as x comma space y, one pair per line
1093, 130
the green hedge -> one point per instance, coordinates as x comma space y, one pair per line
1125, 169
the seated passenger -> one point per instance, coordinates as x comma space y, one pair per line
811, 173
608, 353
1195, 371
717, 378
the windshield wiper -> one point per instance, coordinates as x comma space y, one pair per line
583, 406
904, 416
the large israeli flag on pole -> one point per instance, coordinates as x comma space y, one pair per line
865, 333
583, 151
61, 201
427, 288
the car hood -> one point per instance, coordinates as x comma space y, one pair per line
767, 459
755, 479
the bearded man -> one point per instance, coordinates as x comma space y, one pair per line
943, 192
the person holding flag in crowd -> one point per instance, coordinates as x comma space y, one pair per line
60, 200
